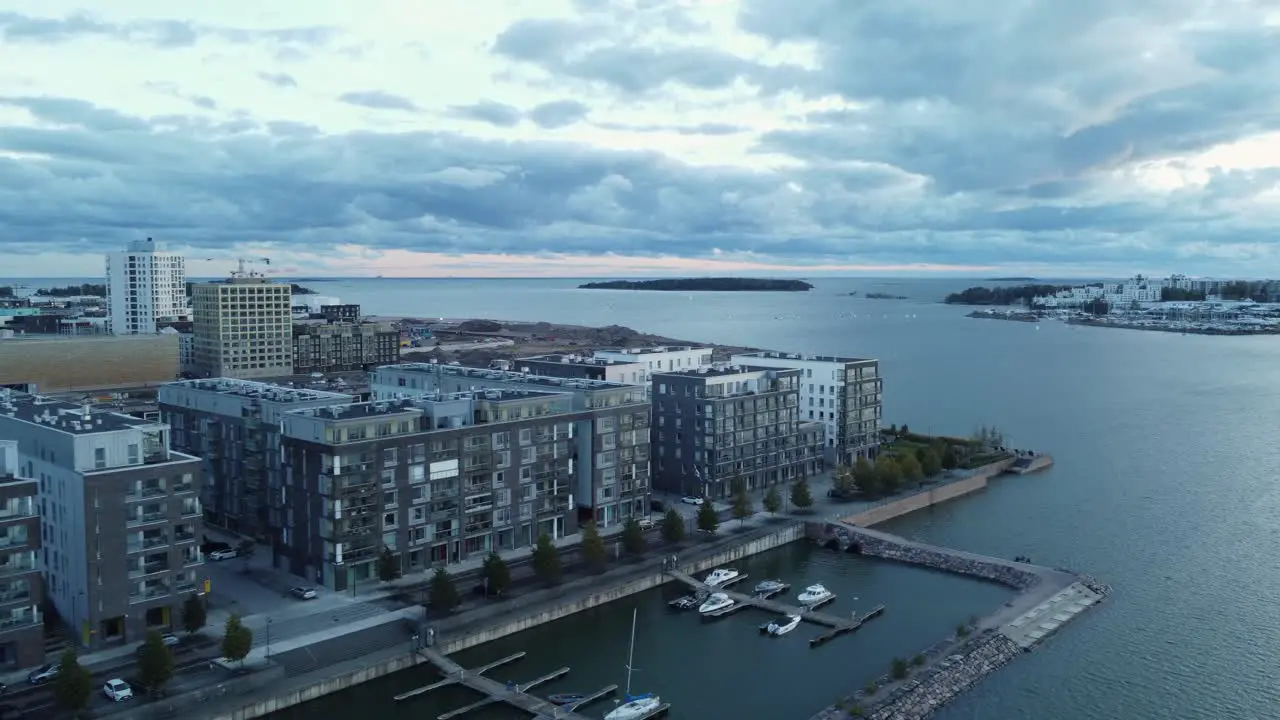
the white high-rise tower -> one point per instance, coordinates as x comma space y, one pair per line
145, 286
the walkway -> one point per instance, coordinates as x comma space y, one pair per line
513, 695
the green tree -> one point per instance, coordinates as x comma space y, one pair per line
949, 459
708, 520
594, 553
74, 684
443, 593
388, 565
865, 477
772, 500
911, 471
843, 482
633, 539
930, 463
888, 474
742, 505
155, 663
193, 614
899, 669
672, 526
546, 556
800, 496
496, 574
237, 640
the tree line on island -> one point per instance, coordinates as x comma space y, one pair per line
702, 284
85, 290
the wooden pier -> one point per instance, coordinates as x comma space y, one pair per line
857, 622
454, 681
597, 695
494, 691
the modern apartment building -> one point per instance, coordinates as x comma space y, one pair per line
660, 359
234, 427
577, 367
611, 450
242, 327
21, 587
121, 516
842, 393
715, 427
323, 347
145, 286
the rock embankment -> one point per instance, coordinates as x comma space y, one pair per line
1005, 574
922, 696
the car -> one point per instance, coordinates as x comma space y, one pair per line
44, 674
691, 500
211, 546
222, 554
117, 690
303, 593
169, 639
645, 522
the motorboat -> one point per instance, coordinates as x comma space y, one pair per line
814, 594
636, 706
717, 601
565, 698
720, 576
783, 625
684, 602
770, 586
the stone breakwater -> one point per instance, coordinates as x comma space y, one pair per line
888, 547
922, 696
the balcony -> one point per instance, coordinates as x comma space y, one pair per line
18, 565
147, 518
184, 537
147, 542
192, 559
184, 487
16, 537
150, 592
185, 585
144, 569
18, 594
477, 528
141, 492
17, 508
21, 621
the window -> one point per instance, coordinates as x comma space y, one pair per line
528, 454
526, 474
389, 477
418, 515
134, 457
504, 458
99, 458
501, 440
417, 473
389, 457
389, 499
418, 494
502, 497
526, 436
389, 521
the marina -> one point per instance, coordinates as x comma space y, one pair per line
495, 692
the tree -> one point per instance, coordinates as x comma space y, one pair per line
497, 575
800, 496
949, 459
930, 463
888, 474
672, 526
911, 471
743, 508
193, 614
246, 550
898, 669
237, 640
904, 430
844, 482
772, 500
74, 684
633, 539
708, 519
443, 593
594, 553
155, 663
864, 476
388, 565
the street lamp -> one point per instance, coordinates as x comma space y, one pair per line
268, 638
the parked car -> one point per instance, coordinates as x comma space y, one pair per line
691, 500
222, 554
303, 593
117, 690
645, 521
212, 546
44, 674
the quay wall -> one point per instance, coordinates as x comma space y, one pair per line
922, 697
932, 496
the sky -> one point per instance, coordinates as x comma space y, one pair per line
627, 138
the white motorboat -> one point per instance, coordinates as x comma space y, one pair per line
770, 586
636, 706
783, 625
717, 601
814, 594
720, 576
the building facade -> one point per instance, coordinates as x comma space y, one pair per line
842, 393
660, 359
21, 587
612, 448
717, 427
343, 346
121, 516
88, 363
234, 427
577, 367
145, 286
242, 328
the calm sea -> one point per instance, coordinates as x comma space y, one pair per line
1165, 484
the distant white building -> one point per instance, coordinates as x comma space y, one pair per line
673, 358
145, 286
305, 306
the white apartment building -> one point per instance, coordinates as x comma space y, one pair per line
673, 358
842, 393
145, 285
242, 328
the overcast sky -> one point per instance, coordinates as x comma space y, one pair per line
631, 137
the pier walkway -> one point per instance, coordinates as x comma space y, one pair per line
493, 690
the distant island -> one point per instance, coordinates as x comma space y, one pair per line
1019, 294
1013, 279
703, 284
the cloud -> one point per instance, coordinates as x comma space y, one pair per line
378, 100
488, 111
18, 28
279, 79
558, 113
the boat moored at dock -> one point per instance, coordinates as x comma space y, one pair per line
815, 594
721, 576
717, 602
782, 625
770, 587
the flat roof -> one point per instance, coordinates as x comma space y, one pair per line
65, 416
551, 383
571, 359
415, 405
656, 350
260, 390
720, 371
772, 355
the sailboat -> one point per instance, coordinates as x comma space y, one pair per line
636, 706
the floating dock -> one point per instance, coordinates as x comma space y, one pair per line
494, 691
593, 697
769, 595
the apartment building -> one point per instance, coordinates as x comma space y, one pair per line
660, 359
234, 427
121, 516
842, 393
242, 328
145, 287
320, 346
578, 367
611, 471
21, 588
715, 427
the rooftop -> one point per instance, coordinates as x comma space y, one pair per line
653, 350
65, 416
552, 384
571, 359
415, 405
261, 390
717, 371
769, 354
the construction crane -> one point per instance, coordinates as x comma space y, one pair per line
241, 264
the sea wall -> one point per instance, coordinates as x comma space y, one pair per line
888, 547
926, 498
338, 682
921, 697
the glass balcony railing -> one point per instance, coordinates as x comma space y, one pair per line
147, 543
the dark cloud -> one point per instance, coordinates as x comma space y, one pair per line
279, 79
558, 113
488, 111
15, 27
378, 100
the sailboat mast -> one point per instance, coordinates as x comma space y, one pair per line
631, 653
